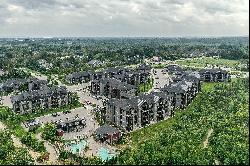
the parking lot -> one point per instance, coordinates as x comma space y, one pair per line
84, 94
6, 101
160, 79
91, 124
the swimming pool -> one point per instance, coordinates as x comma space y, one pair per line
104, 154
77, 147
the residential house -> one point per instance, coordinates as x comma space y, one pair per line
79, 77
144, 68
44, 64
12, 84
45, 98
71, 124
36, 84
112, 88
16, 84
174, 69
214, 75
183, 91
138, 111
95, 63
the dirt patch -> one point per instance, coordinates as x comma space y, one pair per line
217, 162
2, 126
205, 143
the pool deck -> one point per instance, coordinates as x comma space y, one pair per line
95, 146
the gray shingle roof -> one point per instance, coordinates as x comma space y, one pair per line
144, 67
94, 62
179, 87
117, 84
174, 68
212, 71
45, 92
105, 129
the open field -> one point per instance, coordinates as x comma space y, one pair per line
208, 61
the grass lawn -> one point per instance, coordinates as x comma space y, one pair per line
147, 86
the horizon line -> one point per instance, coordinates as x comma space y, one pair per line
188, 36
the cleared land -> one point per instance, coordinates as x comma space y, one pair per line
208, 61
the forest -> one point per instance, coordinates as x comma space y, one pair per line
69, 55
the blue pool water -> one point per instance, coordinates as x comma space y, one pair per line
104, 154
78, 147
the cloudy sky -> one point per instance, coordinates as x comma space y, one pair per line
39, 18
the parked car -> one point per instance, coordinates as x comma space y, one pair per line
55, 114
88, 102
99, 97
66, 111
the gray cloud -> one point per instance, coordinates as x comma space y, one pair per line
35, 4
123, 17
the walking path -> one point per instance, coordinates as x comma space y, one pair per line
53, 155
18, 143
205, 143
2, 126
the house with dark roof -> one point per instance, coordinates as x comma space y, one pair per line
16, 84
107, 133
71, 124
95, 63
138, 111
112, 88
45, 98
133, 77
191, 76
183, 92
174, 69
214, 75
79, 77
144, 68
36, 84
12, 85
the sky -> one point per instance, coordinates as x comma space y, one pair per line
123, 18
